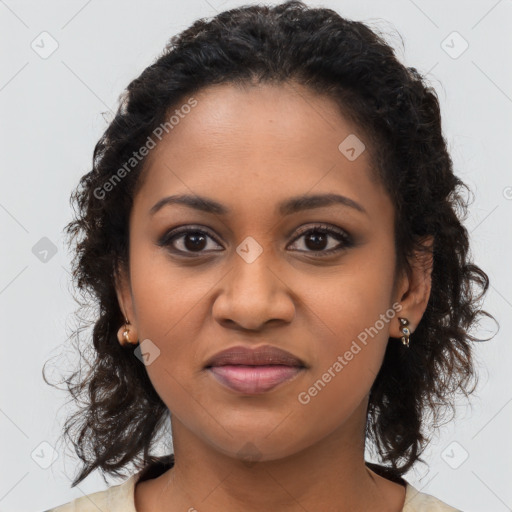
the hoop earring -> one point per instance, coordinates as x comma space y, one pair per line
405, 331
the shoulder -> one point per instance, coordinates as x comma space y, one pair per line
121, 497
117, 498
416, 501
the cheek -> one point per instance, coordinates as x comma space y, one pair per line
352, 336
167, 296
353, 301
167, 305
173, 310
353, 314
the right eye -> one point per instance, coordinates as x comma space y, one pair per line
187, 241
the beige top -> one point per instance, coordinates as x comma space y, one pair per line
121, 498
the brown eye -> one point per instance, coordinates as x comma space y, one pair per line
194, 241
317, 240
188, 241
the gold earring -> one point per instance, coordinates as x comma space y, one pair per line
405, 331
123, 334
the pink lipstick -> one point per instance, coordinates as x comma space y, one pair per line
254, 371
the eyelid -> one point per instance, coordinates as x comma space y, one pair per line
321, 226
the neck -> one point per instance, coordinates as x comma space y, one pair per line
331, 475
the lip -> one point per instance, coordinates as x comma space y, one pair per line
259, 356
254, 370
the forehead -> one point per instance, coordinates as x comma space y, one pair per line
257, 145
286, 120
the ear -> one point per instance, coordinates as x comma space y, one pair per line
124, 293
413, 290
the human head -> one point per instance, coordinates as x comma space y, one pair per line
398, 118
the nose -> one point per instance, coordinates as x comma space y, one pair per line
252, 295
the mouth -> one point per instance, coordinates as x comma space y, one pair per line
254, 371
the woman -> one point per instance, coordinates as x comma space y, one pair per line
270, 232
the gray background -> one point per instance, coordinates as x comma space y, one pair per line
51, 117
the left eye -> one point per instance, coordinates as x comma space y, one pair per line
315, 240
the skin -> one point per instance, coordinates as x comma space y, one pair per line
249, 149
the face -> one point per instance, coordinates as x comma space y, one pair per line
314, 279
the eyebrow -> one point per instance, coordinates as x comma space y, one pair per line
287, 207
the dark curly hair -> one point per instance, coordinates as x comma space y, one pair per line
399, 114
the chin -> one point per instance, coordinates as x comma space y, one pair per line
253, 446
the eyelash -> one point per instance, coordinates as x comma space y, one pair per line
342, 236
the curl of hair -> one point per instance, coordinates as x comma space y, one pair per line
396, 113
